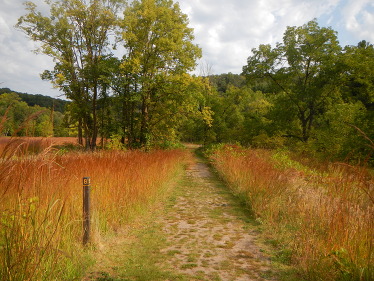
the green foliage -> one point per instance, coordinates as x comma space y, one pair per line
257, 125
115, 143
320, 101
19, 119
211, 149
40, 100
306, 92
263, 140
13, 112
307, 83
336, 138
76, 35
356, 63
228, 116
59, 127
160, 52
223, 81
150, 83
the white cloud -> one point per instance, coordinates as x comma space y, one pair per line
4, 30
359, 19
226, 30
20, 67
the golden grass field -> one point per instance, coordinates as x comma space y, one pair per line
321, 215
33, 144
41, 202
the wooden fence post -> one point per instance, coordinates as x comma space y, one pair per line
86, 210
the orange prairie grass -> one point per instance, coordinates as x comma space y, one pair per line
324, 219
41, 204
32, 145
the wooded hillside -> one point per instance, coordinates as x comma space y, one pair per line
40, 100
32, 115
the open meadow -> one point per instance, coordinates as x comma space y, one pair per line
319, 217
304, 219
41, 202
32, 145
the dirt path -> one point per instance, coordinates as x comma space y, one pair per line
201, 233
209, 234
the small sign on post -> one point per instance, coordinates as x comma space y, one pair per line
86, 209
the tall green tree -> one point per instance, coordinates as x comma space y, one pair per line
358, 74
159, 43
302, 71
76, 35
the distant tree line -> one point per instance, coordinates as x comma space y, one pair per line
306, 93
17, 118
40, 100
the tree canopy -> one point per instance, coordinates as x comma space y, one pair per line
301, 70
306, 92
158, 53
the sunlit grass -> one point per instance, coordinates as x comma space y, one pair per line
20, 146
321, 219
41, 205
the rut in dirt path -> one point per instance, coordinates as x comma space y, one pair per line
210, 236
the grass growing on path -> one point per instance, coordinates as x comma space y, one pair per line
197, 231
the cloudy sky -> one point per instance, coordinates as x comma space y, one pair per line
226, 30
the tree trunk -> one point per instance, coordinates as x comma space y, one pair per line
94, 119
86, 134
133, 135
125, 119
80, 131
304, 126
144, 129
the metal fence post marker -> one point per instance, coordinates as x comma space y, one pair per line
86, 210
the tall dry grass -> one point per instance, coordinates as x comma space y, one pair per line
322, 218
41, 204
32, 145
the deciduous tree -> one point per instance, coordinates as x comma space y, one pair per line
302, 71
75, 35
160, 49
